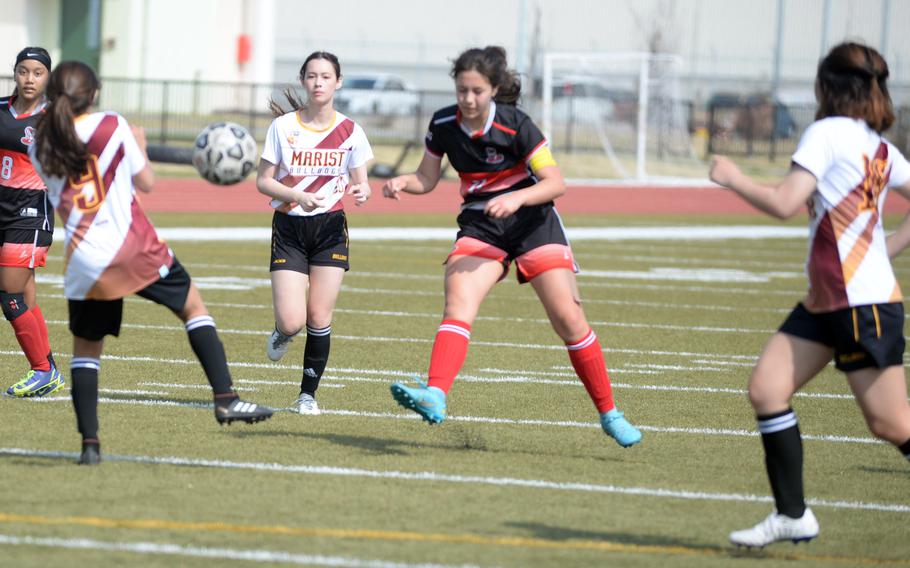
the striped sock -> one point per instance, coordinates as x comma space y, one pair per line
84, 392
588, 360
210, 352
784, 461
449, 352
315, 357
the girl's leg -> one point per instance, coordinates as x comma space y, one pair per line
17, 294
289, 302
325, 285
882, 396
558, 293
84, 369
785, 365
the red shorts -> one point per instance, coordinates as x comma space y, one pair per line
533, 237
24, 248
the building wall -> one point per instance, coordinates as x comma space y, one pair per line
28, 23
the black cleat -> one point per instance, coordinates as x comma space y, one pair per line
91, 455
239, 410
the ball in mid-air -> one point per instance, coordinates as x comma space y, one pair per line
225, 153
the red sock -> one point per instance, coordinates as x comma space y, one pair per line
588, 360
42, 325
33, 343
449, 352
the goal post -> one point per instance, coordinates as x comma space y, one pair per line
626, 106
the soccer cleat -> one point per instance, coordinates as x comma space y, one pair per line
428, 402
278, 345
306, 404
38, 383
777, 527
91, 454
239, 410
617, 427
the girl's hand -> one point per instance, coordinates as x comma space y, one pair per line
311, 201
723, 171
391, 187
361, 192
504, 206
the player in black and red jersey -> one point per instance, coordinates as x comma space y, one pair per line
509, 181
26, 222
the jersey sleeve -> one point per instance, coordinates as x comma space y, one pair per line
900, 169
528, 140
135, 157
815, 151
271, 147
361, 152
431, 141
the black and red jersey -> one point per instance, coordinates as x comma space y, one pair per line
23, 199
492, 161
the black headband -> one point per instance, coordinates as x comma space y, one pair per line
36, 55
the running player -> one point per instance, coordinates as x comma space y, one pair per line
310, 156
853, 312
26, 222
93, 164
508, 181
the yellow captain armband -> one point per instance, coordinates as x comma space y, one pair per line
541, 159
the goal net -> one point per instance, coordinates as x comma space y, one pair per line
622, 111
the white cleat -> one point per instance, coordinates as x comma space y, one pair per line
306, 404
776, 528
278, 345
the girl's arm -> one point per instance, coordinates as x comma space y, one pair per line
268, 185
422, 181
550, 185
899, 239
145, 179
360, 187
783, 200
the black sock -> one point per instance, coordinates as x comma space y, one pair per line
84, 374
210, 352
315, 358
784, 461
905, 449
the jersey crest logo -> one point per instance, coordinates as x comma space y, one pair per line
493, 157
29, 136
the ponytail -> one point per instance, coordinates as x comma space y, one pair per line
70, 91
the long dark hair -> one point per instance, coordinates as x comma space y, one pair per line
293, 100
491, 63
852, 81
70, 91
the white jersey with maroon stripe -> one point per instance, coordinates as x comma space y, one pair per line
848, 262
112, 249
318, 160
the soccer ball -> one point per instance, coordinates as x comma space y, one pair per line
225, 153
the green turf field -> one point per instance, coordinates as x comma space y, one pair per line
519, 475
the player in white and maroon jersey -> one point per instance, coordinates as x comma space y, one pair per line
26, 222
92, 165
312, 156
509, 181
853, 312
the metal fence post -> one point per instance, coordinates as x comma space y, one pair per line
712, 110
162, 135
253, 109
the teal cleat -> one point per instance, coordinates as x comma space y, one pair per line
428, 402
38, 383
617, 427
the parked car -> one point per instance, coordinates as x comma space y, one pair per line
751, 116
376, 93
581, 99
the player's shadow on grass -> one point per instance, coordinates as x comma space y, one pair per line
556, 533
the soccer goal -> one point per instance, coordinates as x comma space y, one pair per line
625, 107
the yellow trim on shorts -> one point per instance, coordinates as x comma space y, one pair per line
878, 323
855, 325
542, 158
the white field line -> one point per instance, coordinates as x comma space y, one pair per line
433, 476
170, 549
687, 232
242, 381
722, 432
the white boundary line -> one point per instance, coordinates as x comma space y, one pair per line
433, 476
171, 549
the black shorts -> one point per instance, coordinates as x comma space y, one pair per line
300, 242
862, 336
94, 319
